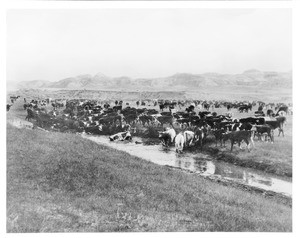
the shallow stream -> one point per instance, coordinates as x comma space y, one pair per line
199, 163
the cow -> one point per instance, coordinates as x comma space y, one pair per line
161, 107
117, 108
204, 114
146, 119
13, 98
245, 108
218, 133
8, 107
199, 136
183, 121
166, 113
30, 114
282, 109
44, 119
259, 114
239, 136
165, 119
262, 130
167, 136
190, 109
278, 123
188, 138
206, 106
121, 136
253, 120
130, 118
246, 126
270, 113
179, 142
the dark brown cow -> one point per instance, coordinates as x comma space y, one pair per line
260, 130
218, 133
30, 114
165, 120
8, 107
278, 123
199, 136
239, 136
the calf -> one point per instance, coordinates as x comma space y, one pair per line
264, 129
239, 136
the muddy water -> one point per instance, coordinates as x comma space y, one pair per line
198, 163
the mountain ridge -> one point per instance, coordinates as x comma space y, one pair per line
182, 81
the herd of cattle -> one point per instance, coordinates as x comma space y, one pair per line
192, 119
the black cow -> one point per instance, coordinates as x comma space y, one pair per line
161, 107
30, 114
8, 107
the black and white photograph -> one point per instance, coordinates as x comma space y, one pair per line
149, 120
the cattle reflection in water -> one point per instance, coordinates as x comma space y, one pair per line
205, 167
251, 179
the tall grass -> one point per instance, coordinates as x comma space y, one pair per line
63, 183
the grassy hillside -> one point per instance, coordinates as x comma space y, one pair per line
64, 183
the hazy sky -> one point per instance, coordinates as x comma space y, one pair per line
55, 44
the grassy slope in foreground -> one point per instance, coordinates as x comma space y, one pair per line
64, 183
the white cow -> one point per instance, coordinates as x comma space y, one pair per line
167, 137
179, 142
121, 136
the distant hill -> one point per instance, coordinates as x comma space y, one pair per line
180, 81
